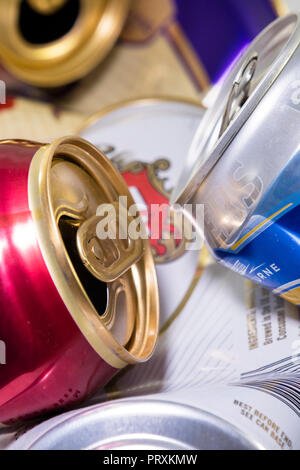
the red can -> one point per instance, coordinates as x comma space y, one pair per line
73, 309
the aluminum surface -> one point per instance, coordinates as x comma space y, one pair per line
133, 424
275, 47
247, 179
65, 334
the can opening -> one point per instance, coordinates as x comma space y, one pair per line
54, 43
226, 170
95, 289
108, 284
37, 27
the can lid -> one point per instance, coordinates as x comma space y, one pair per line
136, 424
46, 7
50, 44
243, 87
108, 283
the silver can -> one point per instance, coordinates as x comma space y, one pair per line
136, 424
244, 163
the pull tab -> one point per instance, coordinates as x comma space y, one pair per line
46, 7
240, 91
110, 258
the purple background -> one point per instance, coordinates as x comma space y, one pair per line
219, 29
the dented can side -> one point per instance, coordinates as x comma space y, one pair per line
59, 346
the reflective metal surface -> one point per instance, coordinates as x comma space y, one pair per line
49, 363
50, 44
248, 178
141, 138
240, 91
47, 7
66, 333
274, 47
134, 424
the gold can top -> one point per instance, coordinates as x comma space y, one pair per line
107, 283
46, 7
50, 43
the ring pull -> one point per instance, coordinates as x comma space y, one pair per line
106, 255
239, 92
71, 210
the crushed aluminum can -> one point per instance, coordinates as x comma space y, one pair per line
246, 174
63, 327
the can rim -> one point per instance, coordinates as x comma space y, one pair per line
133, 410
280, 7
72, 56
62, 270
139, 100
133, 104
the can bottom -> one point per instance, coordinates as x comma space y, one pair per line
133, 424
